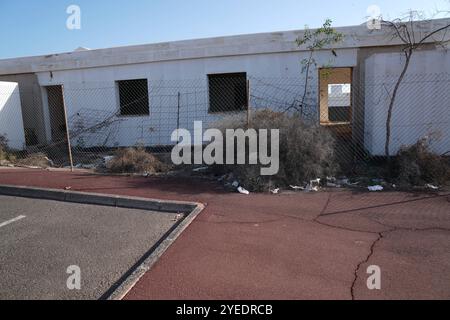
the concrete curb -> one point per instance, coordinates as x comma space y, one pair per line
189, 211
154, 254
99, 199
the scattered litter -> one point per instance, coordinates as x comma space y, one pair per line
375, 188
432, 187
310, 188
68, 188
146, 174
332, 182
85, 166
50, 162
343, 182
275, 191
177, 218
297, 188
200, 169
313, 186
243, 191
89, 166
333, 185
107, 160
235, 184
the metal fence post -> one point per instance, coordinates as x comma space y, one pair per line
248, 105
178, 117
67, 130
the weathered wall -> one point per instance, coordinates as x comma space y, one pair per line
31, 100
11, 123
95, 89
423, 102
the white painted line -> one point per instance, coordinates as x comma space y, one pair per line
4, 224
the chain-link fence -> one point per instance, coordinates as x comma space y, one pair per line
100, 117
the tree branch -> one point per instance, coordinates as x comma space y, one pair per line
432, 34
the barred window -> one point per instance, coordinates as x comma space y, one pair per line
227, 92
133, 95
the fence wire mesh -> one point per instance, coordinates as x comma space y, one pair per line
101, 117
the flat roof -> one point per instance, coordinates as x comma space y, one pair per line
249, 44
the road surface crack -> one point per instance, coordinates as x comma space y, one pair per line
358, 268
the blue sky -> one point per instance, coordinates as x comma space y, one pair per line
39, 27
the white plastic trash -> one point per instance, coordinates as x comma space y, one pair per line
376, 188
243, 191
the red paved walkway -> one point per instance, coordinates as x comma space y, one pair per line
277, 247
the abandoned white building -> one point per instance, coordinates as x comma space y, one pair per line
173, 84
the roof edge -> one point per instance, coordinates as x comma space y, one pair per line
247, 44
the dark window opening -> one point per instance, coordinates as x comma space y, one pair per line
133, 95
227, 92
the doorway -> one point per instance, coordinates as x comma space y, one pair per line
56, 112
335, 96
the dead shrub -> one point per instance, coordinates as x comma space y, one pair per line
3, 147
5, 153
35, 160
306, 150
135, 160
417, 165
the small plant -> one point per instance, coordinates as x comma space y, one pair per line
135, 160
5, 152
3, 147
322, 38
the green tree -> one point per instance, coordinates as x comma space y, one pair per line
322, 38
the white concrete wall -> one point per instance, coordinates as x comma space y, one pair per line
11, 121
278, 80
423, 102
31, 100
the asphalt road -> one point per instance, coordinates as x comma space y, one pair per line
286, 246
40, 239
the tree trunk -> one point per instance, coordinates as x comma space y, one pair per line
392, 103
308, 67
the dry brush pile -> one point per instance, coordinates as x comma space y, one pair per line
417, 165
306, 150
135, 160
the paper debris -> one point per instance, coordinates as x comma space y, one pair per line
243, 191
